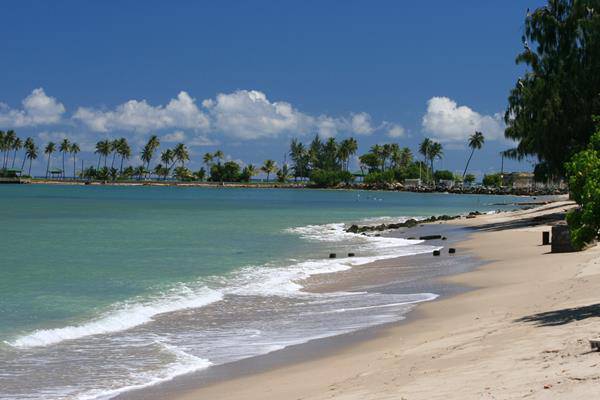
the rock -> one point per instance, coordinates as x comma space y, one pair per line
332, 255
430, 237
451, 250
436, 253
350, 254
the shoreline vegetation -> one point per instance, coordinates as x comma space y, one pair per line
319, 164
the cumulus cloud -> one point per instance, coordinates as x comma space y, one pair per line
248, 114
139, 116
361, 124
191, 140
38, 109
394, 130
449, 122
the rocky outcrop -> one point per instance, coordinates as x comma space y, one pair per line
410, 223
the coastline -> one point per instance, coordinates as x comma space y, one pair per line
471, 341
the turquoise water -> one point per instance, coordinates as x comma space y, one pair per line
83, 264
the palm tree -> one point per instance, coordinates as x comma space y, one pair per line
16, 146
167, 157
114, 149
49, 149
29, 143
435, 151
268, 167
219, 155
149, 149
31, 153
65, 147
2, 145
406, 157
476, 141
102, 149
208, 160
423, 149
124, 151
251, 170
9, 138
181, 154
74, 150
347, 149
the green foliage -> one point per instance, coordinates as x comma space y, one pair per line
388, 176
228, 172
328, 178
550, 107
469, 179
583, 171
492, 180
443, 175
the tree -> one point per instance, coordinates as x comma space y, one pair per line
149, 150
248, 172
16, 146
299, 157
435, 151
74, 149
181, 154
103, 150
347, 149
550, 108
49, 149
124, 151
31, 153
7, 145
208, 159
64, 148
29, 143
315, 153
200, 174
469, 179
269, 166
114, 149
492, 180
218, 155
167, 157
424, 149
283, 174
476, 141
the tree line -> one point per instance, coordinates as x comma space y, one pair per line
323, 163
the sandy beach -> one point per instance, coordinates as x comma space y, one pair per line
521, 332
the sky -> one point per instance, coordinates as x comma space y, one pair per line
247, 76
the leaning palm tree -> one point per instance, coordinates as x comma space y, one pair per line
31, 153
49, 149
435, 151
149, 149
268, 167
181, 154
476, 141
29, 143
2, 145
74, 150
103, 150
423, 149
64, 148
16, 146
9, 138
114, 149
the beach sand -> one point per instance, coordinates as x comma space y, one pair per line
521, 332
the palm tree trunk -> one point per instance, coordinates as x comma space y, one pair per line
121, 170
48, 166
23, 164
30, 160
74, 163
468, 161
112, 164
99, 158
63, 169
14, 158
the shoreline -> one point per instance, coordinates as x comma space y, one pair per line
303, 185
478, 342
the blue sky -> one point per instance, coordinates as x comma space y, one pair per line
246, 76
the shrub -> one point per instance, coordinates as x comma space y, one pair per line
443, 175
388, 176
583, 171
494, 180
330, 178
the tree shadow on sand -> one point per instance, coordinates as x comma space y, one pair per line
562, 317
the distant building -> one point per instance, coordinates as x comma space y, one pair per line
518, 180
446, 183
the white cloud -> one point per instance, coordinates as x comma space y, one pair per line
248, 114
394, 130
448, 122
194, 140
361, 124
139, 116
38, 109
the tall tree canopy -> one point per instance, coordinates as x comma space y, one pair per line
551, 107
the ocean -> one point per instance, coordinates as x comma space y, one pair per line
106, 289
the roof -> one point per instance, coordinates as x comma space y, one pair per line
55, 171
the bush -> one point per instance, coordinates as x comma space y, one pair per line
469, 179
228, 172
330, 178
583, 171
388, 176
443, 175
494, 180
